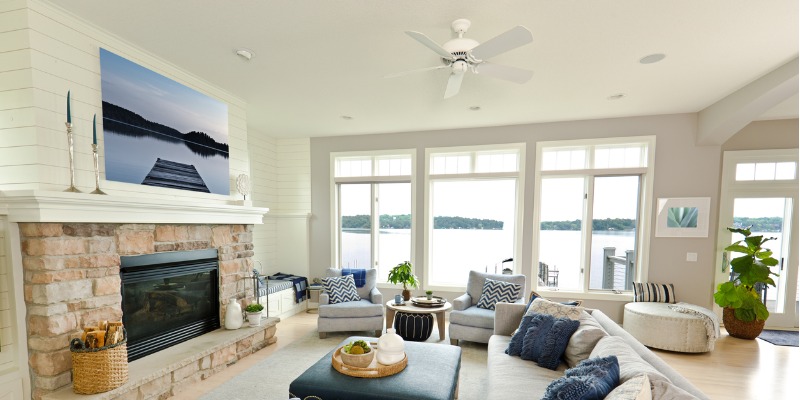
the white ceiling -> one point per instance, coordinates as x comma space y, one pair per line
319, 60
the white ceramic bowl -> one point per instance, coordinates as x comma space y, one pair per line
357, 360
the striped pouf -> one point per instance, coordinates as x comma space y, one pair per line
413, 327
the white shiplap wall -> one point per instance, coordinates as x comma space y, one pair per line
294, 175
263, 164
49, 53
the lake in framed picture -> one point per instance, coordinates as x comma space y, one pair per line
158, 132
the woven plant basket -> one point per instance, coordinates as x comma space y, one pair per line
99, 370
741, 329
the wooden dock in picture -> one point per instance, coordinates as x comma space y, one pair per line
170, 174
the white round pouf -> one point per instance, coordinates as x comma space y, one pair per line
656, 325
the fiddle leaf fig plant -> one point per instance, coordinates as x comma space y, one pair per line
403, 274
751, 268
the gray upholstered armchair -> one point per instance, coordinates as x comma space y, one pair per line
365, 314
469, 322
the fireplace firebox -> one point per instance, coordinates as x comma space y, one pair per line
168, 298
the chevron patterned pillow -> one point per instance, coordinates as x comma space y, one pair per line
340, 289
498, 292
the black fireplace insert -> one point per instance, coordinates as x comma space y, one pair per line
168, 298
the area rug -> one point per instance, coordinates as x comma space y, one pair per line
780, 338
270, 378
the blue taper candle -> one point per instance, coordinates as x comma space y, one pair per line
69, 116
94, 129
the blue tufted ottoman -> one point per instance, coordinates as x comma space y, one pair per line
431, 374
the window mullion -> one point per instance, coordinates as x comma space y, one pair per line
586, 232
375, 225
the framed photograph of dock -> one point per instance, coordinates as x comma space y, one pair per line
683, 217
158, 132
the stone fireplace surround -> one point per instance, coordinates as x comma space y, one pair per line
70, 278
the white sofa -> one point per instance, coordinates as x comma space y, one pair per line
514, 378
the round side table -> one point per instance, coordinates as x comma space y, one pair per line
408, 308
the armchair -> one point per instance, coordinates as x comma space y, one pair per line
365, 314
469, 322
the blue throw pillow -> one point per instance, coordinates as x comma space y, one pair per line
546, 339
592, 379
515, 345
535, 336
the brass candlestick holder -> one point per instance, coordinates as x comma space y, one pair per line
96, 171
71, 149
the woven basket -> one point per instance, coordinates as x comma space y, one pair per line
740, 329
99, 370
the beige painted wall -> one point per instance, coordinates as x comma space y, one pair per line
763, 135
682, 170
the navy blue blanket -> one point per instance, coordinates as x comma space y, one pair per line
300, 284
359, 275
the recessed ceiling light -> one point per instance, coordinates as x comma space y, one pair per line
346, 117
246, 54
616, 96
475, 108
652, 58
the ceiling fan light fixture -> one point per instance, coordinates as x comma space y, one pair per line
652, 58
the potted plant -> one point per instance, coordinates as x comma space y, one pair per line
253, 311
403, 273
429, 294
743, 313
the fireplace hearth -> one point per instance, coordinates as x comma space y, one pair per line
168, 298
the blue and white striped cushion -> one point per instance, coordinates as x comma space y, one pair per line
498, 292
340, 289
653, 292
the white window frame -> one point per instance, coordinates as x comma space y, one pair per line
645, 212
334, 199
519, 175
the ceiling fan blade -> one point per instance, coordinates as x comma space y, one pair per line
430, 44
511, 39
453, 84
505, 72
413, 71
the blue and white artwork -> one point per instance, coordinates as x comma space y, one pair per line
158, 132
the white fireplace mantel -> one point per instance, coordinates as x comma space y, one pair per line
48, 206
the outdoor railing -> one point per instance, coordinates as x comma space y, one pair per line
618, 271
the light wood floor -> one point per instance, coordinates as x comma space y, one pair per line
736, 369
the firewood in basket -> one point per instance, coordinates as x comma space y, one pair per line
95, 339
111, 335
87, 329
102, 326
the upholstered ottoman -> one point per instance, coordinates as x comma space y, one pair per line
431, 374
658, 326
413, 326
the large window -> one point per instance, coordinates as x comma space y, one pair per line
374, 210
472, 219
589, 212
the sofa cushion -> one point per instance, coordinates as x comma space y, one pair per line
542, 306
583, 340
498, 292
591, 379
528, 379
663, 390
637, 388
653, 292
546, 339
473, 316
630, 363
351, 309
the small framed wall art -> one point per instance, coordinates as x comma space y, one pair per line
683, 217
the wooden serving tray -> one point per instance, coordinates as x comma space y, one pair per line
374, 370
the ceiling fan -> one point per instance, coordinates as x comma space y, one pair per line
462, 54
